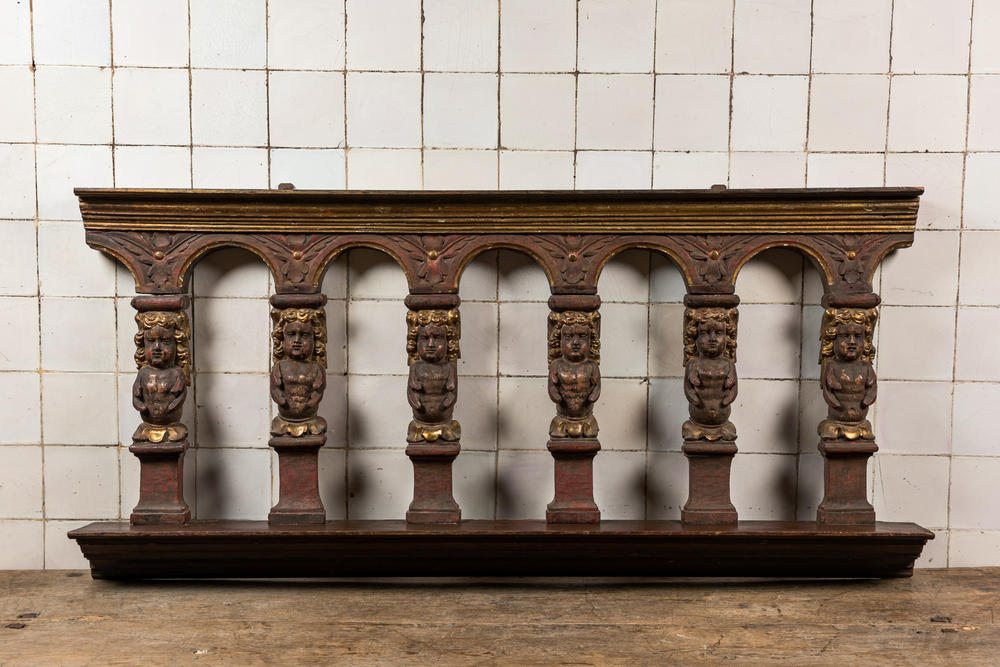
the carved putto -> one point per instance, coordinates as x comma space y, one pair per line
848, 378
574, 373
432, 389
160, 387
710, 383
298, 376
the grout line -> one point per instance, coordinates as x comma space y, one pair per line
576, 96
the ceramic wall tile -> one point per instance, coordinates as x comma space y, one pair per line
769, 113
228, 33
692, 113
73, 105
376, 337
931, 36
21, 482
845, 170
19, 271
973, 423
524, 412
22, 545
81, 482
69, 401
613, 170
380, 484
980, 282
332, 482
615, 112
914, 417
768, 342
308, 169
620, 485
668, 410
616, 36
666, 485
979, 212
306, 109
375, 275
940, 174
525, 484
767, 170
985, 57
384, 169
18, 105
460, 170
972, 484
851, 36
62, 168
383, 34
666, 347
771, 36
461, 35
928, 113
231, 335
378, 414
234, 484
150, 33
689, 170
19, 395
474, 474
67, 346
973, 548
975, 358
460, 110
621, 413
232, 410
152, 167
766, 416
229, 167
763, 487
15, 33
305, 34
17, 178
926, 274
151, 106
773, 276
228, 107
538, 111
984, 96
383, 110
523, 336
62, 553
476, 411
625, 278
71, 32
530, 170
624, 330
538, 37
479, 339
848, 112
521, 278
923, 340
67, 267
478, 281
694, 36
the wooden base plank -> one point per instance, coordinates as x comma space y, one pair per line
118, 550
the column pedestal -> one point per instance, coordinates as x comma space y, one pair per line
709, 464
433, 500
845, 491
161, 484
574, 467
298, 473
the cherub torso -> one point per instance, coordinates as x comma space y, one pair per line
713, 374
853, 377
156, 385
436, 399
575, 384
298, 379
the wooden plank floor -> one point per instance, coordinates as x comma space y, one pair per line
446, 622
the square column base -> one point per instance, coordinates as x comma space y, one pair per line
298, 473
845, 488
161, 484
709, 465
433, 500
574, 473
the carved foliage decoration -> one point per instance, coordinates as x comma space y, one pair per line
575, 256
852, 256
296, 257
157, 257
432, 259
713, 255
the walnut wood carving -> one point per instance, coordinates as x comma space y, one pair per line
709, 235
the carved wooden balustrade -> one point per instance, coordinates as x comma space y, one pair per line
709, 234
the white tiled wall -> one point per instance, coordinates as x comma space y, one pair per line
511, 94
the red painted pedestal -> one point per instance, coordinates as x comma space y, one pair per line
161, 484
574, 465
433, 501
298, 472
709, 464
845, 491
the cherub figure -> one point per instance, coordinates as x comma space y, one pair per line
574, 373
710, 383
298, 376
432, 388
848, 379
161, 385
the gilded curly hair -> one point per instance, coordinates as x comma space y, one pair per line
693, 317
570, 318
449, 319
314, 316
174, 320
833, 317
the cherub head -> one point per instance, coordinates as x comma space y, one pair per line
575, 336
847, 334
299, 334
433, 335
162, 340
710, 332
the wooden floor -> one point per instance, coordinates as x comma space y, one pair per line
447, 622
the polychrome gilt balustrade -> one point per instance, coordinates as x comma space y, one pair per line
709, 234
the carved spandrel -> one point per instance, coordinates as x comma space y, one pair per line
573, 259
298, 376
432, 261
574, 372
432, 347
710, 382
163, 358
158, 260
848, 377
298, 259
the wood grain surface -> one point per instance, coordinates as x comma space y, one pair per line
457, 621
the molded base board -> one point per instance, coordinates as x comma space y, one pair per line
117, 550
